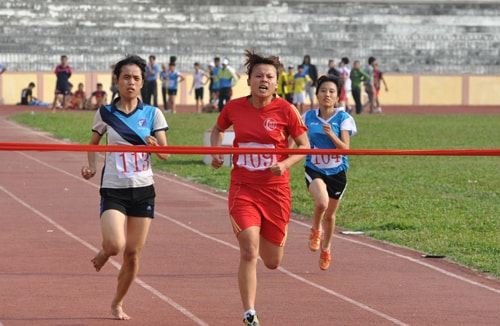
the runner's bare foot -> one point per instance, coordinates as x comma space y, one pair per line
99, 260
118, 313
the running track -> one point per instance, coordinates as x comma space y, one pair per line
50, 231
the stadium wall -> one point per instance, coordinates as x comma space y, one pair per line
404, 89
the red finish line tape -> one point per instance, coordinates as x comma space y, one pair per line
234, 150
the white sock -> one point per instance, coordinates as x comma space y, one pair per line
249, 312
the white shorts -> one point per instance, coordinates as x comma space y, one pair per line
299, 97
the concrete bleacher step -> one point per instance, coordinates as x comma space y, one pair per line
410, 37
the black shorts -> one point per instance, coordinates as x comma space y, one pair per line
198, 93
335, 184
172, 92
137, 202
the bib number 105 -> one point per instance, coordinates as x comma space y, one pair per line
133, 164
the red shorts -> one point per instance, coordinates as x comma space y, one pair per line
266, 206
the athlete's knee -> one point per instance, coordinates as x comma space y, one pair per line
272, 263
321, 206
131, 256
112, 248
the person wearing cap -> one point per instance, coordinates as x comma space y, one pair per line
226, 78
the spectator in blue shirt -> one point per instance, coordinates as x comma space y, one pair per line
150, 87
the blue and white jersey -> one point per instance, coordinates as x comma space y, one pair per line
173, 80
327, 164
128, 169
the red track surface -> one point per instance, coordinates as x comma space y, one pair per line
50, 231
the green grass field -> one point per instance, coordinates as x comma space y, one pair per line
438, 205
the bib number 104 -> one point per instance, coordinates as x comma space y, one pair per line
326, 161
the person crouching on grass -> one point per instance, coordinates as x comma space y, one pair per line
328, 128
259, 194
127, 192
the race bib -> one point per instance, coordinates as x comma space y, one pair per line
171, 83
135, 164
326, 161
256, 162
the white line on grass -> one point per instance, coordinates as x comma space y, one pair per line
143, 284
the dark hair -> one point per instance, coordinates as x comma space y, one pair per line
216, 59
329, 78
99, 84
64, 56
370, 60
130, 60
345, 60
308, 57
196, 63
254, 59
152, 57
32, 84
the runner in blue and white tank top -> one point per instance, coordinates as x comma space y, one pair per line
127, 192
328, 128
173, 79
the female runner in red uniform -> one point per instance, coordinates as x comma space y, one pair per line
259, 193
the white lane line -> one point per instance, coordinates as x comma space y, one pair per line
143, 284
340, 296
413, 260
204, 235
291, 274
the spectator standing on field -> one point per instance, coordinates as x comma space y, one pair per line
378, 78
215, 80
226, 78
312, 71
301, 84
369, 84
164, 85
63, 72
345, 71
331, 69
174, 77
357, 76
200, 79
150, 88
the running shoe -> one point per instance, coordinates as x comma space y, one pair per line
314, 239
251, 320
324, 259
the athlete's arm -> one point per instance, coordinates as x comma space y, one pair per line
340, 143
90, 170
159, 139
216, 139
279, 168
